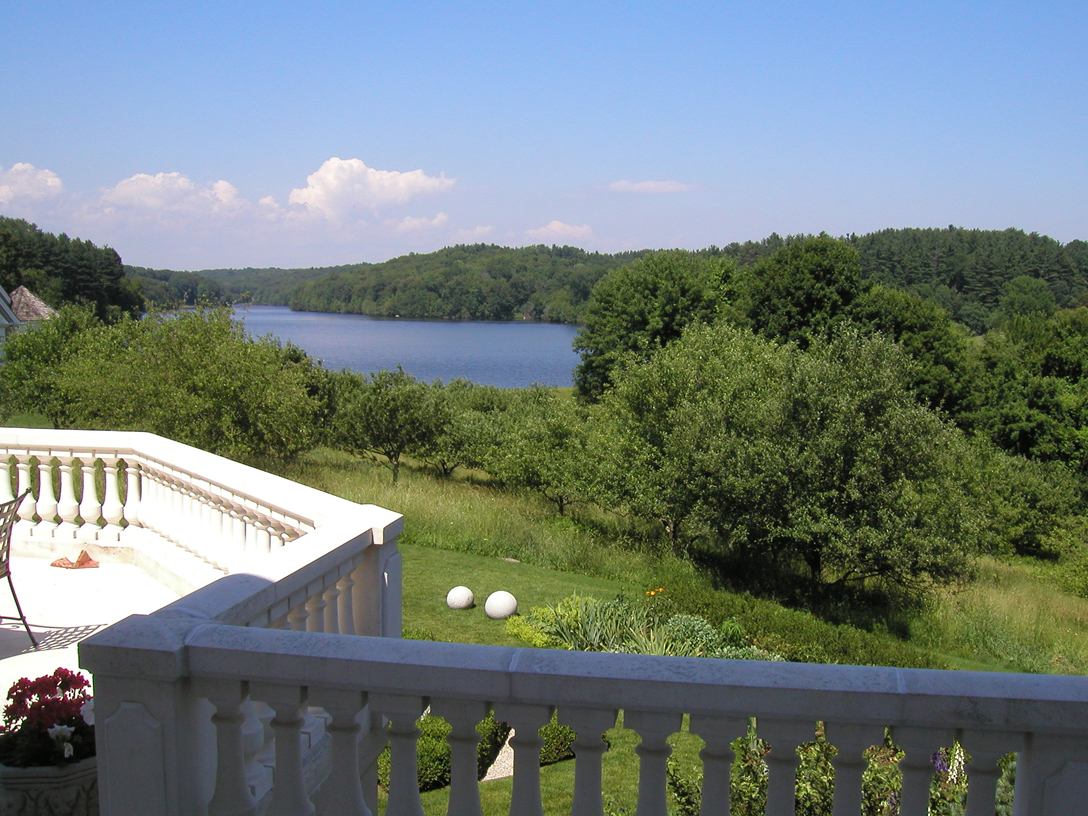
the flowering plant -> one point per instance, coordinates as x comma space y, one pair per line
47, 721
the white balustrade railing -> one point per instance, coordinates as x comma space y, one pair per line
193, 515
181, 726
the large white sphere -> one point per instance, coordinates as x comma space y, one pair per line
500, 605
459, 598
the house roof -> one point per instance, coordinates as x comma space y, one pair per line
28, 307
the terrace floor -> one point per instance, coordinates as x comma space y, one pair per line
63, 606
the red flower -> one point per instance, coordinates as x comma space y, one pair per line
47, 701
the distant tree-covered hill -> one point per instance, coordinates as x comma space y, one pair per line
963, 270
61, 270
467, 282
272, 286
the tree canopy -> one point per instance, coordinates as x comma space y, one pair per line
639, 308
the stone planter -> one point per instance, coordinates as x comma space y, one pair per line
53, 790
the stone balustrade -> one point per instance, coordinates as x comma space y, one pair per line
197, 678
185, 515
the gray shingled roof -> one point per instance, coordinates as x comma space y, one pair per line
28, 307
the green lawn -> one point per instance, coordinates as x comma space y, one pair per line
429, 574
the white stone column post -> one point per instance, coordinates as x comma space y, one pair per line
402, 713
526, 719
67, 506
156, 741
90, 506
653, 753
589, 725
289, 785
344, 783
5, 477
717, 755
918, 745
464, 740
47, 497
852, 741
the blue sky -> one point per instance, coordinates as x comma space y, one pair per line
196, 135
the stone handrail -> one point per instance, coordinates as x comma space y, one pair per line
197, 676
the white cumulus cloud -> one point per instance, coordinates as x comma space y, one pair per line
25, 181
650, 187
473, 235
558, 230
170, 192
340, 185
410, 224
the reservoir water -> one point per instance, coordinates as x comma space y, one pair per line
507, 355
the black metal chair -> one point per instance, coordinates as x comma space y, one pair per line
8, 513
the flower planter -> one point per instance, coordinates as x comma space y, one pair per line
51, 790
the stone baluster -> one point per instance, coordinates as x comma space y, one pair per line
718, 734
297, 618
112, 509
464, 740
332, 610
133, 499
29, 505
254, 738
653, 754
782, 760
919, 745
289, 786
150, 498
208, 516
852, 741
589, 725
983, 772
47, 500
235, 534
5, 477
315, 613
526, 720
402, 713
345, 616
278, 535
252, 521
67, 505
90, 505
344, 784
232, 795
263, 532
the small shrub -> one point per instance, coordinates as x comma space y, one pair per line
686, 788
557, 742
433, 751
493, 736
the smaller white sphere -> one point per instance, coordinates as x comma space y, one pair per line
459, 598
500, 605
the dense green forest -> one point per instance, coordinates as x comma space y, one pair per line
467, 282
964, 271
63, 270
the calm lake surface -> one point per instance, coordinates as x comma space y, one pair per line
508, 355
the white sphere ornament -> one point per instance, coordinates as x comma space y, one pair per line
500, 605
459, 598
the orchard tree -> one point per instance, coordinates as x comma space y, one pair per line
541, 445
388, 414
943, 372
34, 361
819, 459
682, 439
640, 308
805, 290
197, 378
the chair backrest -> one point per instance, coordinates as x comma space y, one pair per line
8, 513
